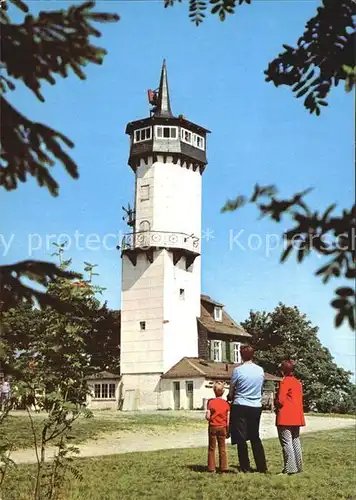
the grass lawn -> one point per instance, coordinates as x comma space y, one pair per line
17, 429
179, 474
331, 415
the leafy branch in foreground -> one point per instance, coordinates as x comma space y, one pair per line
38, 49
13, 291
322, 53
323, 233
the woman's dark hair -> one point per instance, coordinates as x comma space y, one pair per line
247, 353
287, 367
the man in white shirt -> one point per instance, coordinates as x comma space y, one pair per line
246, 395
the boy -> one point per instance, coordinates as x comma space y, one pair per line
217, 414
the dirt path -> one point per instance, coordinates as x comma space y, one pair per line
117, 443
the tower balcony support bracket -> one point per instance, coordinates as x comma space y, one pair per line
180, 244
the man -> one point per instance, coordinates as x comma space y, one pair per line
246, 396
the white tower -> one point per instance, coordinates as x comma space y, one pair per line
160, 299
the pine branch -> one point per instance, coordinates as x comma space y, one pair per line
29, 148
39, 49
13, 291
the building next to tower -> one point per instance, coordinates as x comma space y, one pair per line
174, 341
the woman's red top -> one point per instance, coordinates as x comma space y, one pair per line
289, 402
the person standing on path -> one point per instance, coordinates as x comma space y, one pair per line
217, 414
290, 417
246, 395
5, 391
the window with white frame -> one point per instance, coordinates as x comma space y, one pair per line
186, 136
166, 132
143, 134
216, 350
237, 352
198, 141
218, 313
104, 391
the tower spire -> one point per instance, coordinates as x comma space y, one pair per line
163, 107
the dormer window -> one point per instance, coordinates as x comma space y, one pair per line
143, 134
218, 313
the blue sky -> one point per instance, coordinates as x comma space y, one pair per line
259, 134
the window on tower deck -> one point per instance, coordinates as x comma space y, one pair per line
186, 136
142, 325
143, 134
199, 141
218, 313
181, 293
166, 132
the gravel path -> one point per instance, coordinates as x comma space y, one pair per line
118, 443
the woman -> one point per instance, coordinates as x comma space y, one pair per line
290, 417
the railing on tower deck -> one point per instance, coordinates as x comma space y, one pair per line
166, 239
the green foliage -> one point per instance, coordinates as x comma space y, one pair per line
323, 55
41, 345
286, 333
180, 474
332, 236
50, 354
36, 50
316, 65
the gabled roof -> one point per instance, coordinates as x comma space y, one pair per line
227, 326
104, 375
196, 367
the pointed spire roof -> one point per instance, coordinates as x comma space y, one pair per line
163, 103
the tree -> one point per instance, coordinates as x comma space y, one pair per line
55, 341
36, 50
286, 333
323, 56
50, 355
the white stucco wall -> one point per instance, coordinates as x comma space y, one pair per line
175, 197
167, 393
103, 404
142, 300
144, 389
180, 313
151, 291
202, 392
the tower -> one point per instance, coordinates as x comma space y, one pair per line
160, 298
